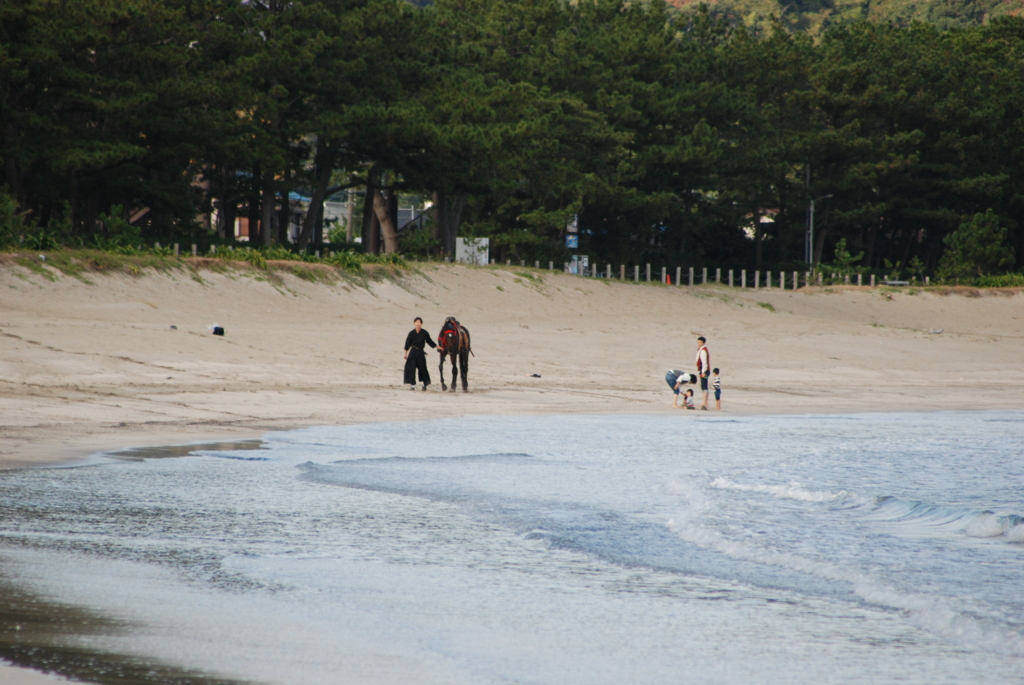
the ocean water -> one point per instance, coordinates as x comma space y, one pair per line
610, 549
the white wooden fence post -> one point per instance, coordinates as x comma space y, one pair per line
704, 276
176, 251
872, 280
551, 266
622, 272
718, 275
757, 279
194, 250
691, 275
768, 279
743, 278
679, 275
636, 273
730, 278
608, 272
663, 274
647, 272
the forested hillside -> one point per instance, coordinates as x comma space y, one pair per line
676, 138
814, 16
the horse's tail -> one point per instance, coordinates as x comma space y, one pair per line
464, 339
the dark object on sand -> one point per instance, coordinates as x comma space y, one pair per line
454, 342
173, 327
534, 375
218, 330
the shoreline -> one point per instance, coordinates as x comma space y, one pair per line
77, 444
37, 655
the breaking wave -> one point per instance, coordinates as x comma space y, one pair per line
971, 522
931, 613
792, 490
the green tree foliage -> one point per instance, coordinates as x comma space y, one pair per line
676, 138
977, 248
96, 101
818, 16
844, 263
12, 224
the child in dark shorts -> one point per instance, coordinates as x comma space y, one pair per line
716, 384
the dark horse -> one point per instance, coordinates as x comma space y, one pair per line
453, 342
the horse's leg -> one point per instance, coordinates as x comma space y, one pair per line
455, 371
464, 359
440, 369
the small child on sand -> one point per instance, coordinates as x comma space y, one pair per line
716, 384
688, 399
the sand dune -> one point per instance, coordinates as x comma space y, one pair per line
94, 365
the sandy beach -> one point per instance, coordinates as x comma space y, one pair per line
110, 361
104, 362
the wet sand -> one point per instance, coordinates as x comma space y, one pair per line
44, 639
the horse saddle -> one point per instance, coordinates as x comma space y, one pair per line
450, 330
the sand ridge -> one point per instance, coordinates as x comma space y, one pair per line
88, 366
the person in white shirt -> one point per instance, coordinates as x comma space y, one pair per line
703, 369
676, 379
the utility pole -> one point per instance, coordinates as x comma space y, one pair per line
351, 217
809, 242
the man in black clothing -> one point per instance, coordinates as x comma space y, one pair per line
415, 358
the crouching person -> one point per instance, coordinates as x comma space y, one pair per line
676, 380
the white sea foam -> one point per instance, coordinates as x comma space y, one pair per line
986, 525
1015, 534
931, 613
792, 490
